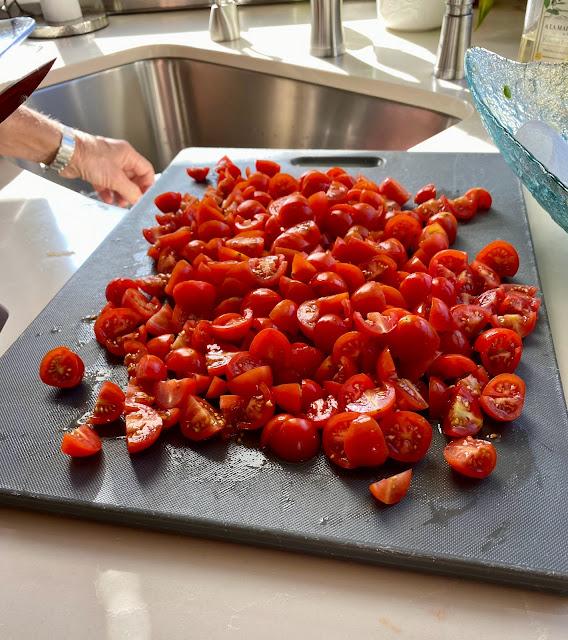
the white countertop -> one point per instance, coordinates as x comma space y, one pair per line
68, 579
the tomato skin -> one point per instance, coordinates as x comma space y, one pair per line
393, 190
480, 197
501, 256
500, 350
169, 201
247, 383
143, 428
185, 361
408, 396
503, 397
364, 443
82, 442
232, 327
471, 457
416, 288
291, 439
272, 347
269, 167
392, 490
109, 405
453, 365
199, 174
151, 368
369, 297
61, 368
414, 338
195, 296
407, 434
427, 192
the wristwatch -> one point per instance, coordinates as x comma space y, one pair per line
65, 151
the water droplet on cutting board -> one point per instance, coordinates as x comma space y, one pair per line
55, 329
324, 520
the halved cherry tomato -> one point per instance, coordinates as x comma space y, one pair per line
292, 439
407, 434
82, 442
427, 192
501, 256
500, 350
393, 190
288, 397
232, 326
333, 440
173, 393
414, 338
109, 405
271, 346
143, 428
266, 271
62, 368
480, 197
151, 369
471, 457
408, 396
392, 490
503, 397
364, 443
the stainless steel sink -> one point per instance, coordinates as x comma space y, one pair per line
163, 105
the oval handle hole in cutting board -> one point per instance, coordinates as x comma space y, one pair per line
342, 161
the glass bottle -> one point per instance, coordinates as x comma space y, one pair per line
545, 32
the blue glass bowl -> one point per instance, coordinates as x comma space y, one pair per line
14, 30
507, 95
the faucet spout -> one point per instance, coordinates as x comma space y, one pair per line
327, 29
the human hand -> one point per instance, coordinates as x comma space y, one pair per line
116, 170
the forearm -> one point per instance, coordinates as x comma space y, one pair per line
30, 135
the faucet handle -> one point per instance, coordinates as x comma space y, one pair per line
224, 21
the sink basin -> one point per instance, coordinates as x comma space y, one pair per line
163, 105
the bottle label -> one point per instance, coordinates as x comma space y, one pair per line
552, 35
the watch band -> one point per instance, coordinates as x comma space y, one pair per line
65, 151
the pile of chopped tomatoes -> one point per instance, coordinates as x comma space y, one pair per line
328, 312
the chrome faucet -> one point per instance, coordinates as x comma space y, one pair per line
455, 39
327, 29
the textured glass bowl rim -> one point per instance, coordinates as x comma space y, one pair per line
470, 56
27, 25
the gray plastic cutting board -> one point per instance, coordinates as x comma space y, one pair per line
511, 527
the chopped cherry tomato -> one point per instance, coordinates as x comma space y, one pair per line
393, 190
503, 397
61, 368
150, 369
427, 192
109, 405
199, 420
463, 416
480, 197
392, 490
199, 174
407, 434
408, 396
501, 256
169, 201
470, 457
333, 440
292, 439
81, 442
247, 383
271, 346
500, 350
364, 443
143, 428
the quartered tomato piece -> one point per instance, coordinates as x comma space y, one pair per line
392, 490
199, 420
109, 405
463, 416
199, 174
81, 442
143, 428
333, 440
61, 368
374, 402
471, 457
408, 396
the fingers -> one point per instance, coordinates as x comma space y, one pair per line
106, 195
125, 188
139, 169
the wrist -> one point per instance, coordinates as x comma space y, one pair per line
73, 168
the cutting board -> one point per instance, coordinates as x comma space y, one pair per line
511, 527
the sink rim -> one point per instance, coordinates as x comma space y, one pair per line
442, 101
